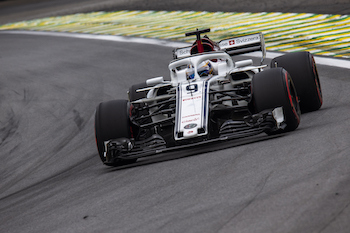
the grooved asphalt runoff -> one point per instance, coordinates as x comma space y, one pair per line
53, 181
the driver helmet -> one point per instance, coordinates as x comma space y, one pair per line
205, 68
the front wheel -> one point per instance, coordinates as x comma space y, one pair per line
274, 88
134, 95
112, 122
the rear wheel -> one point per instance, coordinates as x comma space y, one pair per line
274, 88
302, 68
112, 122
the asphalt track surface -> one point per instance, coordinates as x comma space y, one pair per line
52, 179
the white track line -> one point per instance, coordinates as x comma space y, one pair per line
328, 61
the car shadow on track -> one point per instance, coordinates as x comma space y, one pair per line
195, 150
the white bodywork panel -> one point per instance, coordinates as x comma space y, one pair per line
192, 110
192, 93
191, 119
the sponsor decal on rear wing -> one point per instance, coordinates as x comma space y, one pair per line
182, 52
244, 44
240, 41
233, 46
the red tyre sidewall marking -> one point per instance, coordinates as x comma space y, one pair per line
290, 98
317, 84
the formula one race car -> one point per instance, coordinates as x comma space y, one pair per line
209, 98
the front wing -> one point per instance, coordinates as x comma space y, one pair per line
127, 149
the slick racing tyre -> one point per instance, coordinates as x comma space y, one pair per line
274, 88
134, 95
112, 122
302, 68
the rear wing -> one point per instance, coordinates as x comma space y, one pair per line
244, 44
233, 46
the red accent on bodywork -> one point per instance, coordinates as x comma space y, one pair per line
200, 46
203, 45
